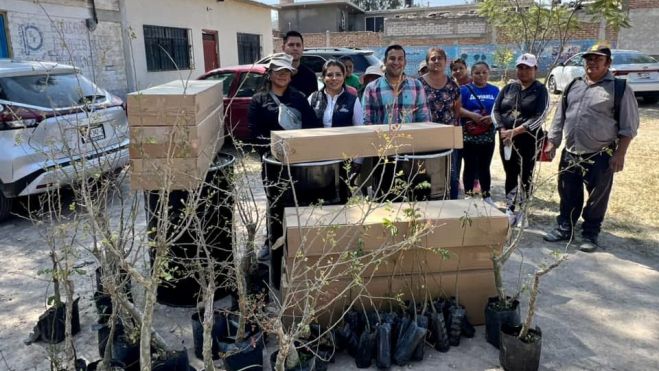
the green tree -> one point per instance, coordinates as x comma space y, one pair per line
531, 25
378, 4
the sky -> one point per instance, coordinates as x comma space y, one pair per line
419, 2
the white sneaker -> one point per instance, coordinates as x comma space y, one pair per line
488, 200
512, 218
521, 220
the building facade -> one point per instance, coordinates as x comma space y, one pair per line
126, 45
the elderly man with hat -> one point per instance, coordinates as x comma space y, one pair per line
518, 114
597, 119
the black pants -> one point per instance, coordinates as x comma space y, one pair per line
575, 172
477, 160
522, 162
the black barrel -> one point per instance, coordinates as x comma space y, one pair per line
308, 183
402, 177
215, 211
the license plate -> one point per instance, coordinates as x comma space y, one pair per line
644, 75
92, 133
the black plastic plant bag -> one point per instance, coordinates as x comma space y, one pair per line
383, 339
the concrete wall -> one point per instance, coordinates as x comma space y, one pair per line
228, 18
643, 33
56, 31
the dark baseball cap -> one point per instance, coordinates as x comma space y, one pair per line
598, 49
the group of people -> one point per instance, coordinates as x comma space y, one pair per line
516, 112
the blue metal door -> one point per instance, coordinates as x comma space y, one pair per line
4, 49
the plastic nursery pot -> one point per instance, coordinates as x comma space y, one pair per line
114, 366
520, 354
172, 361
243, 355
308, 362
51, 324
220, 330
497, 315
123, 351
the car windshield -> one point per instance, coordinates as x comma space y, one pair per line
49, 90
632, 58
363, 61
226, 78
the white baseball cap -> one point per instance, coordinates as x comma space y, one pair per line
527, 59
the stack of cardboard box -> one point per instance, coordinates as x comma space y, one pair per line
176, 129
398, 250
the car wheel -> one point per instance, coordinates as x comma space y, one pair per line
651, 99
5, 206
551, 85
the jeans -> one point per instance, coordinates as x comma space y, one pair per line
456, 167
575, 172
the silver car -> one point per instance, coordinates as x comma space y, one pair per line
640, 70
56, 128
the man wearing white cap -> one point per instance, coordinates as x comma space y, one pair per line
518, 114
597, 118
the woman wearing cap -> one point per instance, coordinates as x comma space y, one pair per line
477, 101
264, 109
443, 95
518, 114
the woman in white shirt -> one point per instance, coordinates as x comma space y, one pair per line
333, 104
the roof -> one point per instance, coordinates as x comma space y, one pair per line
256, 3
306, 4
10, 67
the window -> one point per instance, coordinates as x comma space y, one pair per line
167, 48
632, 58
49, 90
375, 24
577, 60
314, 62
249, 48
226, 78
4, 40
251, 83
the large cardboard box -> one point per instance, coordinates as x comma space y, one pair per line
409, 261
179, 103
173, 173
323, 231
472, 289
310, 145
177, 141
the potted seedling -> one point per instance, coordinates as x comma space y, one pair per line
521, 345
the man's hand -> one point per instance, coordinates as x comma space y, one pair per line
617, 161
550, 150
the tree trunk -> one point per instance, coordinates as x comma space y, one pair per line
208, 322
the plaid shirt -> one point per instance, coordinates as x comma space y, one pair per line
382, 106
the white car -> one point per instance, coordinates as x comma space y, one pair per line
56, 128
640, 70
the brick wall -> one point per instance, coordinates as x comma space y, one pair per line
641, 4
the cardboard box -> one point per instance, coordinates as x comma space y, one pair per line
178, 173
322, 231
310, 145
177, 103
177, 141
472, 288
412, 261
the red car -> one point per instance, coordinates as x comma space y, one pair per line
239, 84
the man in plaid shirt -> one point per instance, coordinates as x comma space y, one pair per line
394, 98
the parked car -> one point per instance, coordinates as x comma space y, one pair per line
56, 128
239, 84
315, 58
640, 70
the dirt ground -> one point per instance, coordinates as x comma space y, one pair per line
596, 311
